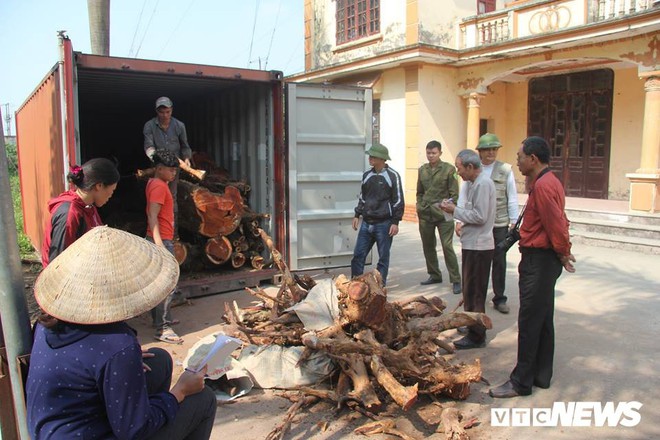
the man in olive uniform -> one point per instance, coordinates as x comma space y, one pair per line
436, 182
506, 210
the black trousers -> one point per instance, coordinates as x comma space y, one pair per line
194, 420
538, 272
476, 271
499, 266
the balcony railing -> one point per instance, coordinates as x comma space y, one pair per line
542, 17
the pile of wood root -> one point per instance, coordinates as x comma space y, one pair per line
386, 351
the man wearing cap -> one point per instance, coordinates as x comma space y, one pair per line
506, 212
380, 205
166, 132
437, 181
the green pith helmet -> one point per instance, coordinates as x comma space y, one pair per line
378, 150
488, 140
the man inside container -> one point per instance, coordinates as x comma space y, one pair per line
167, 132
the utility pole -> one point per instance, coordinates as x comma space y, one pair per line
99, 26
8, 119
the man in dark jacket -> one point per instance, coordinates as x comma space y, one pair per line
381, 207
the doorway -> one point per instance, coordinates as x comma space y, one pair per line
573, 112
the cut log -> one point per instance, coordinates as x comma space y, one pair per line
256, 261
207, 213
237, 260
218, 250
181, 251
363, 300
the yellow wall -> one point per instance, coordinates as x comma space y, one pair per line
393, 118
627, 123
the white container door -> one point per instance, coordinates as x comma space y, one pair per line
328, 131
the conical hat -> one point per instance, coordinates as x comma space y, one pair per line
107, 275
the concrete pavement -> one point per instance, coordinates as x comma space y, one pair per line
606, 325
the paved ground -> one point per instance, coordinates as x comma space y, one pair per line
607, 328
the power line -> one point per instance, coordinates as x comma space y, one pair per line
147, 29
176, 27
272, 36
254, 26
137, 26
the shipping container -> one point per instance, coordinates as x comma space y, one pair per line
299, 146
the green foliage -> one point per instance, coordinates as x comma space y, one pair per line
24, 245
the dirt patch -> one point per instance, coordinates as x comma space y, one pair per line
31, 271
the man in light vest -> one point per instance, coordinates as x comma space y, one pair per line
506, 210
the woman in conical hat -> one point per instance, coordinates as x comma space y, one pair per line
87, 378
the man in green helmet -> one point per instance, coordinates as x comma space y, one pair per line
380, 205
506, 210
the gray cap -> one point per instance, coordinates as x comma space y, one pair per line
163, 101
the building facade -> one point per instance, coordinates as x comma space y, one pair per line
584, 74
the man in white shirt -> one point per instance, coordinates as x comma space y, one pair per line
506, 210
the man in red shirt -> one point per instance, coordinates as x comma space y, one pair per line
545, 248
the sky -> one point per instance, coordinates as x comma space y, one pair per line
266, 34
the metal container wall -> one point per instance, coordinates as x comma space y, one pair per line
39, 137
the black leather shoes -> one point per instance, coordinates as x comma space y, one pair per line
505, 391
466, 343
456, 287
502, 308
430, 281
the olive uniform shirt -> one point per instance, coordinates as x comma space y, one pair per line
435, 184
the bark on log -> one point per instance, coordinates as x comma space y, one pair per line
363, 300
450, 424
448, 321
404, 396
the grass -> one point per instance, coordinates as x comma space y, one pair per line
25, 247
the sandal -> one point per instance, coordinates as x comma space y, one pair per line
168, 335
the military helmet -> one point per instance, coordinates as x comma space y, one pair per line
378, 150
488, 140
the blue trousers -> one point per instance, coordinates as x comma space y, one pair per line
378, 233
161, 315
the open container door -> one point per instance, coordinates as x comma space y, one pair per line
46, 141
329, 129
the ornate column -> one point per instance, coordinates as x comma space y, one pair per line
645, 182
473, 120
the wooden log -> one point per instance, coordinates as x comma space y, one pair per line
150, 172
181, 251
256, 261
404, 396
449, 321
218, 250
237, 259
288, 281
450, 425
207, 213
363, 301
